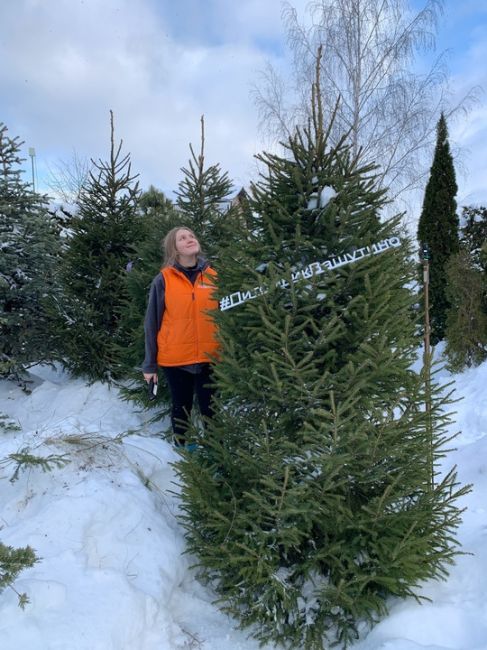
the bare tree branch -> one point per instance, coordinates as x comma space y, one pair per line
368, 53
66, 177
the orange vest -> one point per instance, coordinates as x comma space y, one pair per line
187, 334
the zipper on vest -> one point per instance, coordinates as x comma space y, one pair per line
195, 281
195, 317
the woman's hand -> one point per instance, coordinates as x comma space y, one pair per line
150, 375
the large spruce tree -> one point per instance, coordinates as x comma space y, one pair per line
104, 231
28, 261
311, 499
438, 227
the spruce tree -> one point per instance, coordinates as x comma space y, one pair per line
466, 324
202, 199
438, 227
28, 263
157, 216
311, 499
104, 231
474, 234
202, 196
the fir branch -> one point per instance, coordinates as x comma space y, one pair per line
7, 424
12, 562
23, 460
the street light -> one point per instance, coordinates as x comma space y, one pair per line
32, 154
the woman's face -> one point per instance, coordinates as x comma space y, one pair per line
186, 243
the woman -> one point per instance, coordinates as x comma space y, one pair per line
180, 336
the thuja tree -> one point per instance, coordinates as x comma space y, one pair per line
311, 499
466, 322
438, 227
104, 231
28, 261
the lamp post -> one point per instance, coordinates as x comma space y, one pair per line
32, 154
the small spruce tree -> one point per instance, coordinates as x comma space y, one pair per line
438, 227
474, 234
202, 205
104, 231
158, 216
466, 324
28, 265
311, 499
203, 200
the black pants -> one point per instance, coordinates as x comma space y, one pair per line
183, 385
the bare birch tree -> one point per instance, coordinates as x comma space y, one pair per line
66, 177
388, 108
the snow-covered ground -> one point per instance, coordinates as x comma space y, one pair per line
113, 574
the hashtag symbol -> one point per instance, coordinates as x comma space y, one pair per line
225, 303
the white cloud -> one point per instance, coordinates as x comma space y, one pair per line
72, 61
65, 63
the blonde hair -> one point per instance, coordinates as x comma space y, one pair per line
169, 245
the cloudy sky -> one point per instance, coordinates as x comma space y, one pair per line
161, 64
